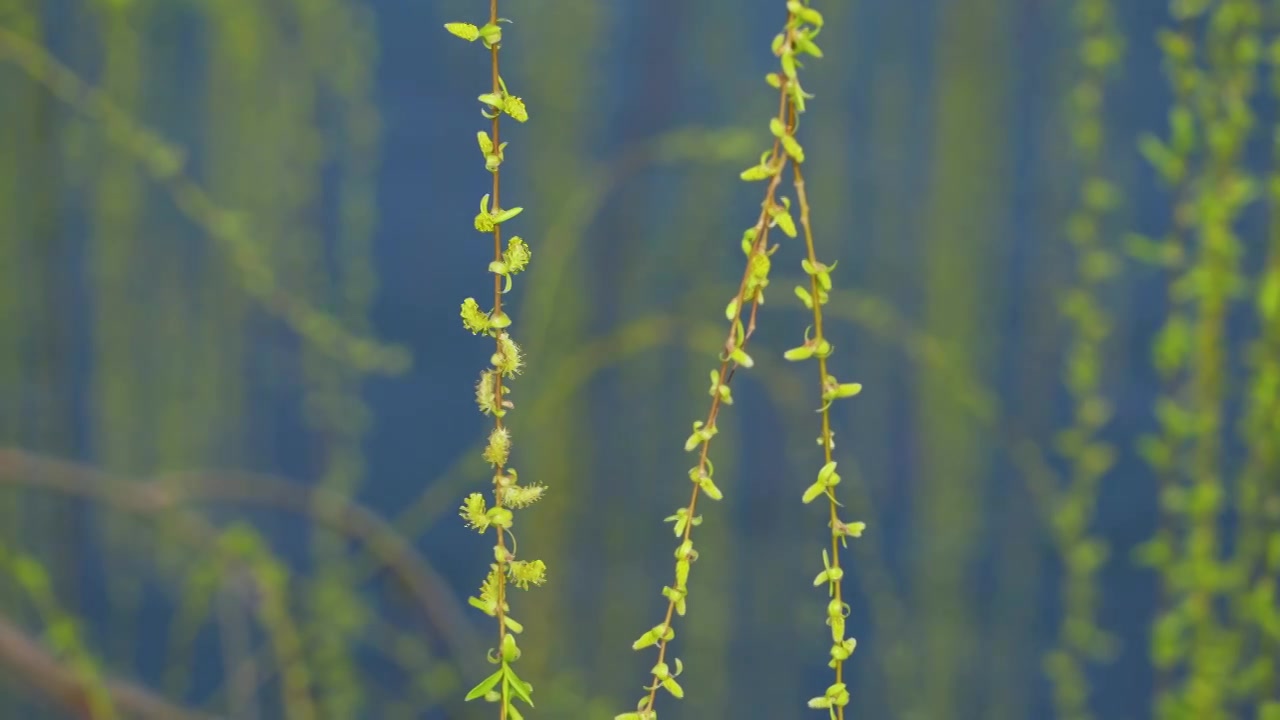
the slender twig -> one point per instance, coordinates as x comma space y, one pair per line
491, 391
736, 342
824, 381
498, 387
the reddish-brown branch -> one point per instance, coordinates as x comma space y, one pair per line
727, 369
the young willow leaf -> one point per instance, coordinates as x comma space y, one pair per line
521, 688
466, 31
485, 686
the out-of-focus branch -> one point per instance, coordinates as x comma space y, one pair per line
165, 163
392, 550
33, 669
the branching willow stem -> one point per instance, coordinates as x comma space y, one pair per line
503, 686
802, 24
735, 356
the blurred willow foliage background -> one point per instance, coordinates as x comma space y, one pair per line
236, 413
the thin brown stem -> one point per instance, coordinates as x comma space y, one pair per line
815, 291
727, 366
497, 311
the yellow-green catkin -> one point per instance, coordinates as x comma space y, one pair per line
797, 40
1199, 649
504, 686
1080, 641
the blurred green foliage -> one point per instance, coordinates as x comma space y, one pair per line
189, 197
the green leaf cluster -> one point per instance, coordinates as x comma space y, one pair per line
1218, 579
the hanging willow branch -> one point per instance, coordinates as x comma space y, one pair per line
507, 361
